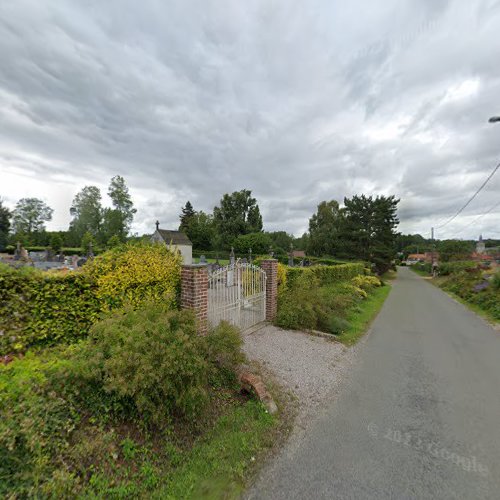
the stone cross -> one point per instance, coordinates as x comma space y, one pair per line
157, 225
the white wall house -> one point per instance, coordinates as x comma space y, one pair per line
177, 240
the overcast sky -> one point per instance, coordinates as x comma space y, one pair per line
297, 101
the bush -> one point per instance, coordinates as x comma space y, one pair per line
155, 358
309, 306
38, 308
337, 325
325, 274
136, 274
366, 283
282, 280
447, 268
61, 410
35, 423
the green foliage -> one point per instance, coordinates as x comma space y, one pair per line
258, 242
113, 242
237, 214
41, 308
366, 283
368, 230
56, 242
5, 216
463, 283
153, 357
65, 415
325, 274
88, 243
324, 228
308, 305
200, 230
136, 273
186, 214
28, 218
447, 268
453, 250
35, 423
86, 210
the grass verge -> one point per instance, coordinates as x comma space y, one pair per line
363, 315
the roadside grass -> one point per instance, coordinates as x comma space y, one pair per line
389, 275
217, 466
420, 272
362, 316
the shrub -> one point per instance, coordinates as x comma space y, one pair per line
325, 274
39, 308
155, 358
366, 283
136, 274
447, 268
337, 325
309, 306
282, 279
35, 423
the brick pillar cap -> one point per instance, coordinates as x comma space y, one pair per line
269, 260
194, 266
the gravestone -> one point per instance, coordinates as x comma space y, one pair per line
17, 251
203, 259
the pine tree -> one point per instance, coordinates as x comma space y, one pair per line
187, 214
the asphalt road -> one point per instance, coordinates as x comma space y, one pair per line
417, 417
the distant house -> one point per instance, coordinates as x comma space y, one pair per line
428, 257
177, 240
413, 258
298, 254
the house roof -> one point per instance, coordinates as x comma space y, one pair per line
174, 237
298, 253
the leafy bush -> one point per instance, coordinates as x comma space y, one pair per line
447, 268
136, 274
155, 358
325, 274
337, 325
309, 306
41, 308
366, 283
59, 410
282, 280
35, 423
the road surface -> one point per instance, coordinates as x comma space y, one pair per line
417, 417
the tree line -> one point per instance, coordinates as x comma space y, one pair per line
91, 223
364, 228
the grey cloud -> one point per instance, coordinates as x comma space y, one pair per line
189, 100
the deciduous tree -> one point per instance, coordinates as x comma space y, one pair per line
237, 214
29, 217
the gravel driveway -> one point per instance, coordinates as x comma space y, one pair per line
311, 367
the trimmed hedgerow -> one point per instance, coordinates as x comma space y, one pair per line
136, 274
40, 308
325, 275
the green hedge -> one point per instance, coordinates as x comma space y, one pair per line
447, 268
38, 308
325, 274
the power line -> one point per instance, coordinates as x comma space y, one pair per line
471, 198
476, 219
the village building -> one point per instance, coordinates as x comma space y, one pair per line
177, 240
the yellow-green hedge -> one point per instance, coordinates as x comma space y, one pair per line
136, 274
326, 275
41, 308
38, 308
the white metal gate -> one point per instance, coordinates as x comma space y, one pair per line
237, 294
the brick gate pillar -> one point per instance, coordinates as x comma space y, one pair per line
194, 294
270, 266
